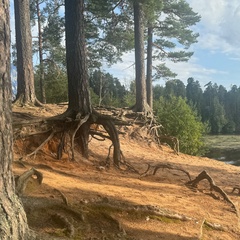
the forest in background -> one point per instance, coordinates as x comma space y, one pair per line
109, 33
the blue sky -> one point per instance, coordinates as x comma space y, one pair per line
216, 55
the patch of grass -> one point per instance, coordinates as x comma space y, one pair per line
222, 141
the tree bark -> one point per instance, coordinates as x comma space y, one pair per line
78, 89
40, 49
25, 75
149, 68
139, 57
13, 222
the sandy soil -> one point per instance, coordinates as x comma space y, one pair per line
113, 204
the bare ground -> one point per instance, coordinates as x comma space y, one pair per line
85, 200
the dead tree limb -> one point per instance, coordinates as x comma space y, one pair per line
204, 175
21, 181
163, 166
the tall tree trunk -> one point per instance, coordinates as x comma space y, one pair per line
25, 76
139, 57
40, 49
78, 84
149, 68
78, 89
13, 222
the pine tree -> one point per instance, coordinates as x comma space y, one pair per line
13, 221
25, 75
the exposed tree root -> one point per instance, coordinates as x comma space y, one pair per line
20, 101
21, 181
236, 188
64, 221
201, 229
213, 226
114, 221
204, 175
173, 142
163, 166
73, 131
166, 213
64, 198
41, 146
151, 210
113, 134
80, 123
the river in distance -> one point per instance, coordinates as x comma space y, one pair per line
224, 148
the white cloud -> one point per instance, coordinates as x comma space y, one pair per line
219, 26
193, 69
125, 70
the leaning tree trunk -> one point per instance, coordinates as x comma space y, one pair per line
13, 222
139, 57
25, 76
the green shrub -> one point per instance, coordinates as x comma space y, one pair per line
180, 120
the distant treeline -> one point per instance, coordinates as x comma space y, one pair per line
216, 106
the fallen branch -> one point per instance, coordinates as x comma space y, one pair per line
163, 166
21, 181
204, 175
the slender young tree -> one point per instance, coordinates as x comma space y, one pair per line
47, 43
13, 222
149, 67
40, 52
163, 35
141, 97
25, 76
